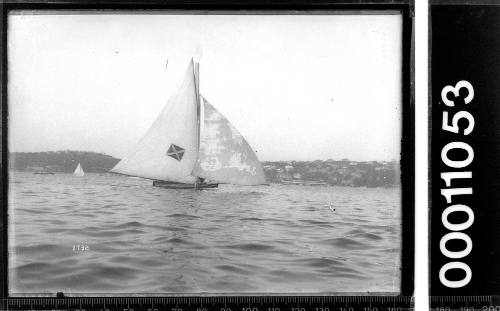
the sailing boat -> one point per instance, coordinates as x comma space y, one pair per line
79, 171
192, 145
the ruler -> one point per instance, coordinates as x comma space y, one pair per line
217, 303
465, 303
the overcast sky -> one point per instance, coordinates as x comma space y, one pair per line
298, 87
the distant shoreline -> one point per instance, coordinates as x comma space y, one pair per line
315, 173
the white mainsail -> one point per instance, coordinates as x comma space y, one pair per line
224, 155
79, 171
169, 149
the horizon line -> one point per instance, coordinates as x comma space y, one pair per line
104, 153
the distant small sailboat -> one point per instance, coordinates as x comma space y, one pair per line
79, 171
192, 145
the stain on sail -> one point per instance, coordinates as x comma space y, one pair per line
224, 154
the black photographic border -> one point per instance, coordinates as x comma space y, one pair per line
406, 7
464, 45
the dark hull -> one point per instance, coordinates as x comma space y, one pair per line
176, 185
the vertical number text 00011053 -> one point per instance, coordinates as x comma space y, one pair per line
460, 123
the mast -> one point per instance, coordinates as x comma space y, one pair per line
196, 68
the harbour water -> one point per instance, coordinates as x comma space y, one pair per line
110, 234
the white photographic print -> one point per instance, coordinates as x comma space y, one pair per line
177, 152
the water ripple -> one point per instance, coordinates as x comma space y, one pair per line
136, 238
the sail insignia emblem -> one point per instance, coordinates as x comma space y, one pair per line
175, 152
